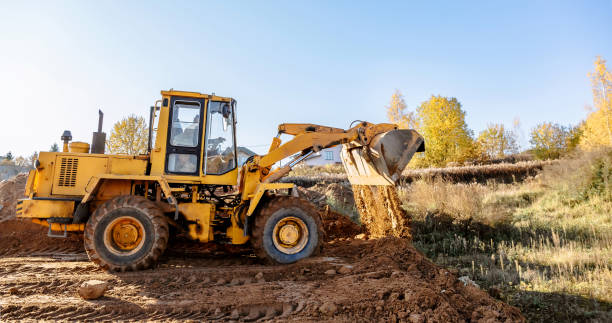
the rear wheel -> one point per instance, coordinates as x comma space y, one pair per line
126, 233
287, 229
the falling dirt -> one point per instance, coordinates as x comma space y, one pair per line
381, 212
352, 280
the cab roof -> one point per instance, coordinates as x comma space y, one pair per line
189, 94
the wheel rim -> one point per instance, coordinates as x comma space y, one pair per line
124, 235
290, 235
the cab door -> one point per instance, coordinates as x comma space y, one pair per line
184, 144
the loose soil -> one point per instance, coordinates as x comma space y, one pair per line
381, 211
351, 280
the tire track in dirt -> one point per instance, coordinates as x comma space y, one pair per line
386, 277
263, 312
40, 251
25, 279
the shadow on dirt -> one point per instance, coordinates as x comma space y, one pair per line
559, 307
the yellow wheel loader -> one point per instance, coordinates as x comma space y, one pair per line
191, 179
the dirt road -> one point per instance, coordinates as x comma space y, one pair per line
352, 280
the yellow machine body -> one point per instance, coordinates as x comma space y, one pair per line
51, 209
202, 214
215, 198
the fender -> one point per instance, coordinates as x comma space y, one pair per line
262, 188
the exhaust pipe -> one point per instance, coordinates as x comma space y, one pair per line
98, 142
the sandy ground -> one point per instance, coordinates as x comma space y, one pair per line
352, 280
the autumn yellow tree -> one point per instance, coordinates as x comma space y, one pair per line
396, 111
551, 140
128, 136
496, 142
441, 121
597, 131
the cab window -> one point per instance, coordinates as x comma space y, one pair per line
220, 150
185, 124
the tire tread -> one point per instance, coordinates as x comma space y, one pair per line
149, 208
273, 205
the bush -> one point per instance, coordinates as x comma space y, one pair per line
582, 177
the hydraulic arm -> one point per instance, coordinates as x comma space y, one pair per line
373, 154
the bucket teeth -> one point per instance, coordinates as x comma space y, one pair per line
383, 160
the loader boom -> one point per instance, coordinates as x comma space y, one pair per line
378, 166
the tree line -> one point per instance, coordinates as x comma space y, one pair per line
448, 140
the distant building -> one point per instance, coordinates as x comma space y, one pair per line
243, 154
324, 157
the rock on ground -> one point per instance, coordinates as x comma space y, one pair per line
92, 289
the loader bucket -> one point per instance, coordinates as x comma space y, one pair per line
382, 161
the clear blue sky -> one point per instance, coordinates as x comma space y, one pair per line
325, 62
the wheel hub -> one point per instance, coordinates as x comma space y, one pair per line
290, 235
126, 234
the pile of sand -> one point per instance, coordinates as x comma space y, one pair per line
10, 191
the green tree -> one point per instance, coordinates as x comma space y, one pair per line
496, 142
54, 148
129, 136
551, 140
597, 129
441, 121
9, 156
396, 112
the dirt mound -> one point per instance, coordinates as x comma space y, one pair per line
10, 191
338, 225
392, 280
22, 237
381, 211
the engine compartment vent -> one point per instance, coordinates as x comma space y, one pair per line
68, 172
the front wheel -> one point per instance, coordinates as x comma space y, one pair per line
126, 233
287, 229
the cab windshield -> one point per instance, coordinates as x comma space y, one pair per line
220, 149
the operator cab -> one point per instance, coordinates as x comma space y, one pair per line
200, 136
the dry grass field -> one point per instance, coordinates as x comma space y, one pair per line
542, 243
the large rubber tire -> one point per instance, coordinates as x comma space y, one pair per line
133, 208
274, 211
